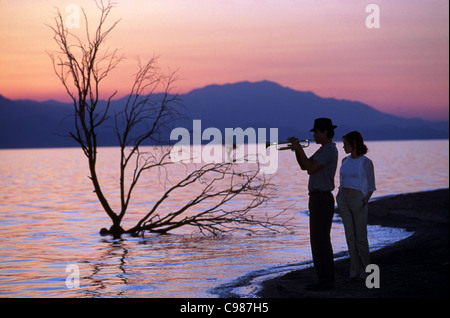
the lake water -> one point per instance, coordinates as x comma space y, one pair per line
50, 219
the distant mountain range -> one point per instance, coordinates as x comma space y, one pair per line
26, 123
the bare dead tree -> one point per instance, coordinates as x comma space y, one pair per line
221, 184
81, 66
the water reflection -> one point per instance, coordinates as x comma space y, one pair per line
50, 218
171, 266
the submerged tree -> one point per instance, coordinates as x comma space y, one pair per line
81, 65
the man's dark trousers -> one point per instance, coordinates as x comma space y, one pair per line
321, 210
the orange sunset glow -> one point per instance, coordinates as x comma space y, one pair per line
323, 46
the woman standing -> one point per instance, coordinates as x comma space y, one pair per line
357, 183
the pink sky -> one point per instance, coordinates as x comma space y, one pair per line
321, 46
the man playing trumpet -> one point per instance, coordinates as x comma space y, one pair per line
321, 168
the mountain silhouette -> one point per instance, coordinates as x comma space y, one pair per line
265, 104
268, 104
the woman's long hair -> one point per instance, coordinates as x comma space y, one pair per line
356, 140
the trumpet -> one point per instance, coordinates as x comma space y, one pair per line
288, 144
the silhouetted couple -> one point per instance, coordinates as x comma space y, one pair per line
357, 185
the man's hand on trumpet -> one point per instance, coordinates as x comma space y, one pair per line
295, 143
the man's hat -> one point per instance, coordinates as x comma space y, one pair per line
323, 124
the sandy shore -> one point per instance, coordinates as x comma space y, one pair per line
414, 267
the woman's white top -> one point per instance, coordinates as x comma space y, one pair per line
357, 174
